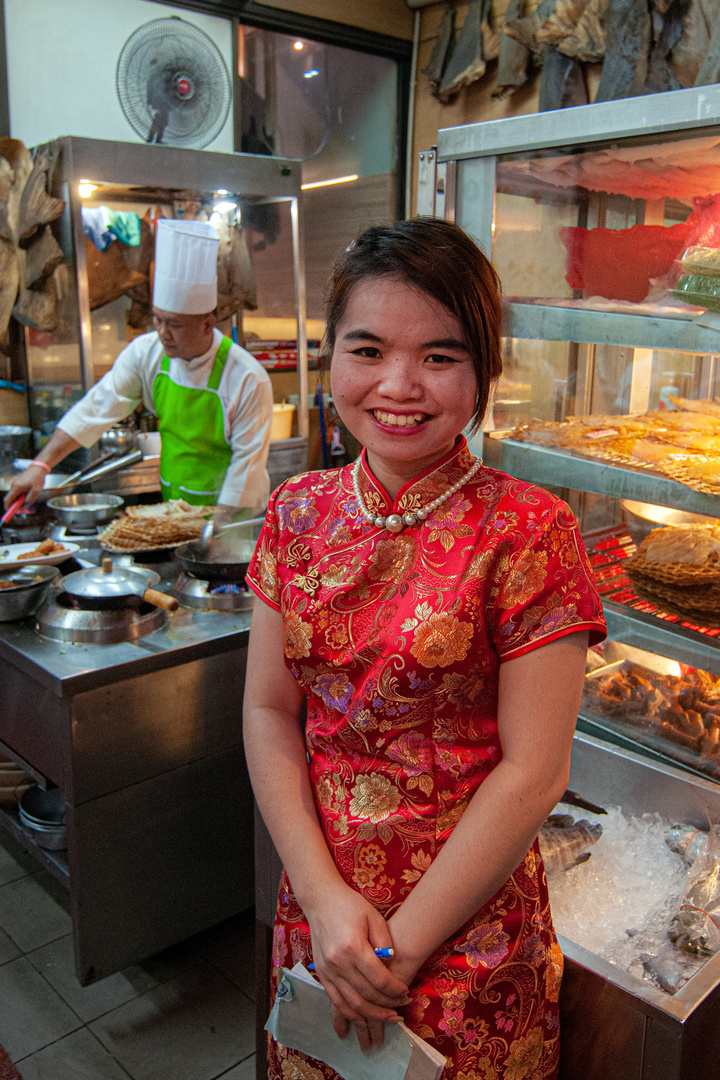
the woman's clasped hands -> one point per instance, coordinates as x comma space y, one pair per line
345, 930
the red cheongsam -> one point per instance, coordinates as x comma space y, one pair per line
396, 639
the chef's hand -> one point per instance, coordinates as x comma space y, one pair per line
345, 930
29, 483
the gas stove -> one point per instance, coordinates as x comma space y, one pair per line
211, 596
89, 537
62, 620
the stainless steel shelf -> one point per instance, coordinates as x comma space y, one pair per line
545, 465
553, 323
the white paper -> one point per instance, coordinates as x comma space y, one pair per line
301, 1020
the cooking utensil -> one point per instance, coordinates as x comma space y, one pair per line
12, 510
101, 467
31, 585
224, 559
109, 586
84, 510
56, 483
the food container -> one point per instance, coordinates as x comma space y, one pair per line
281, 422
85, 511
43, 814
31, 584
150, 442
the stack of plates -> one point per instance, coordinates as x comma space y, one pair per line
43, 813
13, 782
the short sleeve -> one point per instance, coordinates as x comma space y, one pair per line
262, 574
543, 586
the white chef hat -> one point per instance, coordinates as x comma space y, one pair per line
186, 254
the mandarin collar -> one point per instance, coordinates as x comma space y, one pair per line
458, 457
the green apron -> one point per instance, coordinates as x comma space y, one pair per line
195, 454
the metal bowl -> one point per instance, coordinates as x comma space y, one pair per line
31, 584
85, 511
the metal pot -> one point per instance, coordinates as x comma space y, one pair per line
118, 440
109, 587
82, 511
31, 586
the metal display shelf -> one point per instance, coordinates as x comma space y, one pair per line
550, 322
546, 465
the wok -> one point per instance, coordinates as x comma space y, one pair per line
216, 561
107, 588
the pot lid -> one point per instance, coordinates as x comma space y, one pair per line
109, 580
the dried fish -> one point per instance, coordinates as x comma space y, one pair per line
690, 51
710, 68
43, 255
629, 36
441, 51
660, 76
587, 40
466, 62
9, 281
513, 57
562, 83
525, 28
564, 842
36, 206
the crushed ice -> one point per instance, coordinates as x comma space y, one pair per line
620, 902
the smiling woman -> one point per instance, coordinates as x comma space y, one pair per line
413, 598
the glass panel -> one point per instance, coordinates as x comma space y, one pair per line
606, 228
664, 705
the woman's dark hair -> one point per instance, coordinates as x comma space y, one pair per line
439, 258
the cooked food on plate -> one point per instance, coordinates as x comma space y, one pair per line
47, 547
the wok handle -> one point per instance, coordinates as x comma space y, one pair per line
161, 599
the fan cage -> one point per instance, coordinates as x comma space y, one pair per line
153, 59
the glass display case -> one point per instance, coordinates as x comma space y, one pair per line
604, 224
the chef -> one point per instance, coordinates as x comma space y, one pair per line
212, 399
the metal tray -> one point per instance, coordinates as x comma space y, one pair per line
548, 465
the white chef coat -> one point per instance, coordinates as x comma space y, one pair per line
245, 392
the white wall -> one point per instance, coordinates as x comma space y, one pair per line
62, 57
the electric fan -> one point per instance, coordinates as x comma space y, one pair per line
173, 84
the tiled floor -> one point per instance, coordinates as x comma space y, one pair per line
187, 1014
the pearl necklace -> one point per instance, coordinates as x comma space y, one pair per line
394, 523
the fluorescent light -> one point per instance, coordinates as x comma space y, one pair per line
311, 73
224, 206
85, 189
298, 45
222, 191
327, 183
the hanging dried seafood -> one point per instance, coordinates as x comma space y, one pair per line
443, 47
467, 61
29, 253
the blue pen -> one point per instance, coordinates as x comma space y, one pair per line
384, 954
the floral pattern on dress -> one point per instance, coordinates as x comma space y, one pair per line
396, 641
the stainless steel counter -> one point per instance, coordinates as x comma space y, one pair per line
67, 668
144, 739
